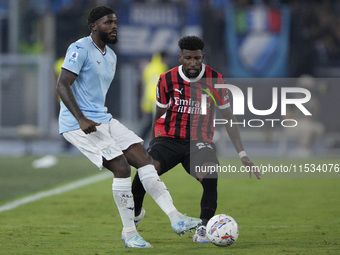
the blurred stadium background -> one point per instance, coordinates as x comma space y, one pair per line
244, 39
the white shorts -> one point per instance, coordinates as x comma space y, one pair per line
109, 141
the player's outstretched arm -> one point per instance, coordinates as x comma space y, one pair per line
235, 138
65, 80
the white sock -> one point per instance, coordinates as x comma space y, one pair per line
121, 189
156, 188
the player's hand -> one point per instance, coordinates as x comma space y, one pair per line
253, 169
88, 126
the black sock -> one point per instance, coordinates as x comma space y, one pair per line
209, 199
138, 192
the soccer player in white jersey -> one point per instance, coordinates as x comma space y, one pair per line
86, 75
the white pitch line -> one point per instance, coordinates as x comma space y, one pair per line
71, 186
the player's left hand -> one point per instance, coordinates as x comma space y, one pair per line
253, 169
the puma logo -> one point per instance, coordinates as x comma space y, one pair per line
180, 91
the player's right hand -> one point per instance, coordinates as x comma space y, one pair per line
88, 126
253, 169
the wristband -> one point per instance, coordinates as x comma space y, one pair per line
242, 154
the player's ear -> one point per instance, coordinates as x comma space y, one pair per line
93, 27
180, 57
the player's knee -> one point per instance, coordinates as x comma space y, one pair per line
119, 166
137, 156
157, 166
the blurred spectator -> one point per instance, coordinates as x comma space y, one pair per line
151, 73
213, 25
315, 35
71, 12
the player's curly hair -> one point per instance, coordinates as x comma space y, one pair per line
191, 43
97, 13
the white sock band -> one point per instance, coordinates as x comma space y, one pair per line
121, 184
146, 172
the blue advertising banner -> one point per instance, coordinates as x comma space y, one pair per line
257, 41
146, 29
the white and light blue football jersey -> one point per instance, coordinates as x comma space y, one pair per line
95, 71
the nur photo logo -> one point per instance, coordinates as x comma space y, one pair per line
289, 97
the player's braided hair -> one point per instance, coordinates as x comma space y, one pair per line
191, 43
97, 13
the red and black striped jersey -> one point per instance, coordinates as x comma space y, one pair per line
186, 117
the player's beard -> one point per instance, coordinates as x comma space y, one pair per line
105, 38
190, 75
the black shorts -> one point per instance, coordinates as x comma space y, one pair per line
169, 152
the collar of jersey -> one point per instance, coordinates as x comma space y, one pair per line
95, 45
188, 79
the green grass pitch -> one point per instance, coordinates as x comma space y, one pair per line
275, 215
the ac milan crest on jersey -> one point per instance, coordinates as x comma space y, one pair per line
183, 99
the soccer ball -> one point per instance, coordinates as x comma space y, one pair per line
222, 230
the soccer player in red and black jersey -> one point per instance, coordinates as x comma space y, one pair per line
183, 126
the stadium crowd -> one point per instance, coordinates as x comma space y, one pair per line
314, 32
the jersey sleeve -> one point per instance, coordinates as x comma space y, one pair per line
75, 57
161, 93
224, 95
